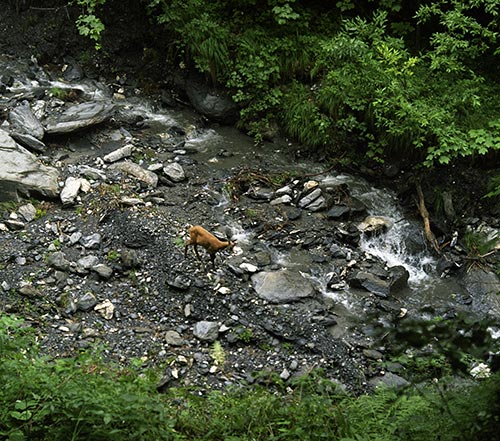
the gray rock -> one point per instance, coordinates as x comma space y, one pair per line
86, 302
58, 261
28, 212
137, 172
371, 283
215, 105
181, 283
79, 116
281, 286
129, 259
87, 262
483, 287
121, 153
317, 204
103, 271
285, 199
21, 172
173, 338
70, 190
206, 331
174, 172
75, 237
309, 198
23, 121
30, 142
92, 173
390, 380
92, 241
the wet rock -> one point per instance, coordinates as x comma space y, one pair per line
371, 283
206, 330
337, 212
374, 225
281, 286
78, 117
148, 177
22, 174
483, 288
174, 172
121, 153
398, 276
23, 121
215, 105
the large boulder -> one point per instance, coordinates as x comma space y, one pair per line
215, 105
22, 174
78, 117
283, 286
483, 288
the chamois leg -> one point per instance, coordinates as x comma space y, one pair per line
212, 258
196, 251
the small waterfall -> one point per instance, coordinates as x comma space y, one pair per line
403, 244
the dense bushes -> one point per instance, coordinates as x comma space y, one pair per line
84, 398
382, 79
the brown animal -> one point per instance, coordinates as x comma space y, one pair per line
199, 236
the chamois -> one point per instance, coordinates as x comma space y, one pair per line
199, 236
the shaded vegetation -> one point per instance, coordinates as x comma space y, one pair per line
85, 398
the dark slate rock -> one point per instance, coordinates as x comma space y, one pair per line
399, 276
79, 116
371, 283
337, 212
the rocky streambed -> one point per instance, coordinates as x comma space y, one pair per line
105, 184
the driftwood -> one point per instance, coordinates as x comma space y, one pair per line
429, 235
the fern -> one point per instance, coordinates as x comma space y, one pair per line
218, 354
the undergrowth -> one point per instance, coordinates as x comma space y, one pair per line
84, 398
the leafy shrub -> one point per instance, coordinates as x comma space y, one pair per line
85, 398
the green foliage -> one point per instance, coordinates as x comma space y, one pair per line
84, 398
218, 354
113, 255
382, 80
480, 244
494, 187
87, 23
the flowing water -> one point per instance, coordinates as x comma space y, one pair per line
223, 148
